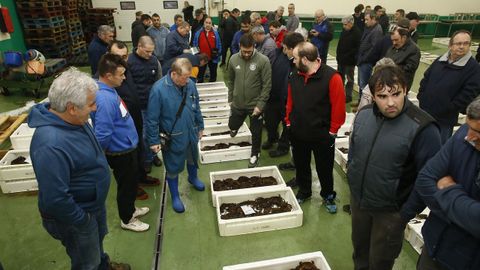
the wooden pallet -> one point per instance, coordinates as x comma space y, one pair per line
40, 14
41, 4
8, 124
56, 40
42, 32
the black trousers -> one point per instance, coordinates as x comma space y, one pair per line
425, 262
125, 170
237, 117
323, 151
225, 46
274, 115
213, 72
377, 238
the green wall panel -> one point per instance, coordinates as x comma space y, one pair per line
16, 41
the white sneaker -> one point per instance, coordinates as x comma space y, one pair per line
140, 211
135, 225
253, 162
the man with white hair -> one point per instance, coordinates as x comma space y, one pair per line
174, 117
276, 15
98, 46
72, 171
264, 44
321, 34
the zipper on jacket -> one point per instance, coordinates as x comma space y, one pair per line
368, 159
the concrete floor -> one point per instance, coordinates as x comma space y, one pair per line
190, 240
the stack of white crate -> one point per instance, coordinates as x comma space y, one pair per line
342, 141
284, 263
215, 110
229, 227
18, 178
413, 231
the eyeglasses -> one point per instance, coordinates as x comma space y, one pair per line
466, 43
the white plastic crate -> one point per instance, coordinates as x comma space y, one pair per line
22, 185
344, 131
462, 118
229, 154
216, 113
214, 96
284, 263
349, 118
22, 137
235, 174
212, 90
214, 104
210, 85
237, 226
16, 172
340, 157
243, 130
413, 232
218, 121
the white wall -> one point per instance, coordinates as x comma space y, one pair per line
336, 7
124, 18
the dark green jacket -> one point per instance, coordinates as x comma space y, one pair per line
249, 82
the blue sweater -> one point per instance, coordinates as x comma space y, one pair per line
452, 230
235, 46
71, 169
96, 49
114, 127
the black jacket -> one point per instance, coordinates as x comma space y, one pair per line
347, 47
281, 68
138, 31
144, 74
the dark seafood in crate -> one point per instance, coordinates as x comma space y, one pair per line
259, 207
219, 146
244, 182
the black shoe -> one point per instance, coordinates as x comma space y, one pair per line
149, 181
292, 182
233, 133
147, 167
301, 197
267, 145
346, 208
278, 153
141, 194
287, 166
157, 161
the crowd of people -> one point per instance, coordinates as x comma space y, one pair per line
145, 104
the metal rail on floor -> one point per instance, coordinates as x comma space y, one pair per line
159, 235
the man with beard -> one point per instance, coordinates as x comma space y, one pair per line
315, 111
249, 84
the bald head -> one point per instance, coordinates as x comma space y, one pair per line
319, 15
145, 40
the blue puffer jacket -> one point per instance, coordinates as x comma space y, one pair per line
144, 73
452, 231
164, 101
71, 169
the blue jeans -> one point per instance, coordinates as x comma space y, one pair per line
148, 153
364, 73
84, 244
